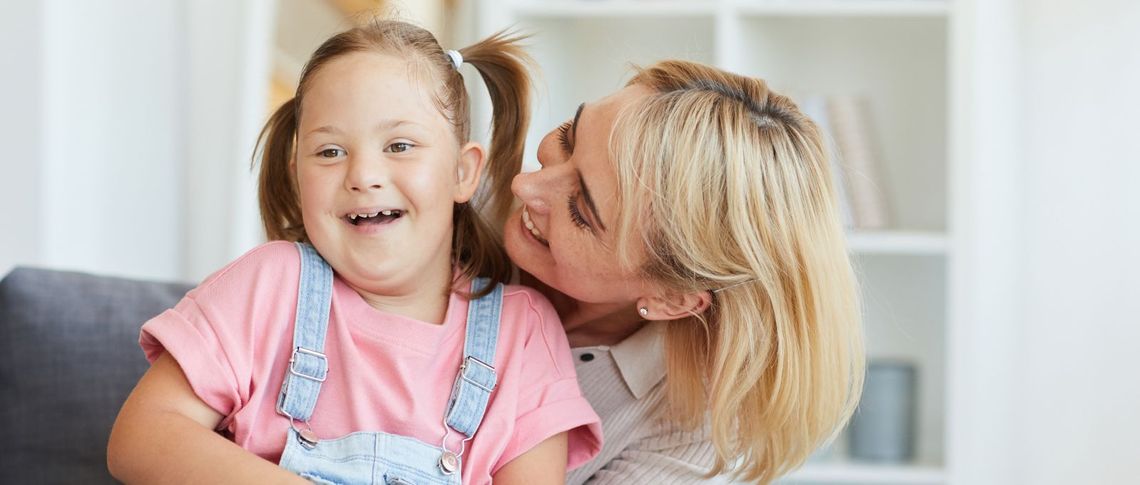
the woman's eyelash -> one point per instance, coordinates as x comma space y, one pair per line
575, 214
564, 137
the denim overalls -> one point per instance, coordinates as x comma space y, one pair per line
376, 457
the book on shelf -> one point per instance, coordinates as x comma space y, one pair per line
849, 138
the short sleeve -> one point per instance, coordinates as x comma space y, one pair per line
551, 402
213, 331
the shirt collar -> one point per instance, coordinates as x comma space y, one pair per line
641, 358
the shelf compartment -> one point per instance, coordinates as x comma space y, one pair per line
585, 59
897, 65
843, 8
614, 8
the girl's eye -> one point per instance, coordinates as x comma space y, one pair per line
576, 215
564, 137
398, 147
330, 153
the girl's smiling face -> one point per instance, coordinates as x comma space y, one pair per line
378, 170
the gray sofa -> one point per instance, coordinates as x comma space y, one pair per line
69, 356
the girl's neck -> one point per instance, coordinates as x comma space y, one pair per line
589, 324
426, 299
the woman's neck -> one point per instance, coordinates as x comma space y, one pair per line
589, 324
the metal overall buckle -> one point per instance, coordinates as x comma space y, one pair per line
305, 436
449, 461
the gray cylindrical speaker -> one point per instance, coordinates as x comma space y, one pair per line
882, 429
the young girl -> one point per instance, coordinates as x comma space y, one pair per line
374, 341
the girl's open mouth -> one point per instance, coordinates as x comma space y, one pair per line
379, 217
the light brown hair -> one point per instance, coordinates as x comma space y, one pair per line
476, 245
727, 186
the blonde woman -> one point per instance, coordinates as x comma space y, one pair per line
686, 230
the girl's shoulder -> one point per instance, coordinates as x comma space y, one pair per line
528, 302
272, 264
529, 314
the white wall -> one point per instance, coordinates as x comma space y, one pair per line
1079, 392
228, 61
21, 95
985, 275
128, 126
110, 193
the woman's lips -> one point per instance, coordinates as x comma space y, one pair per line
529, 226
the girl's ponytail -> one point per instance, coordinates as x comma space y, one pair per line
503, 65
276, 192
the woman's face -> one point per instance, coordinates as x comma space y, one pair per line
563, 233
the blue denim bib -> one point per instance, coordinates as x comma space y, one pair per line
377, 457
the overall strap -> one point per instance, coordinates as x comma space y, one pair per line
308, 366
477, 376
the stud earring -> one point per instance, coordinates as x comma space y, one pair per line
643, 311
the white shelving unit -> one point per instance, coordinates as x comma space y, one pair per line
854, 473
893, 53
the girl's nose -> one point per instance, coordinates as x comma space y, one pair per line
365, 173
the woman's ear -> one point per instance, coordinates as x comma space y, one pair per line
674, 306
468, 171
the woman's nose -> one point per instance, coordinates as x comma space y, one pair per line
539, 188
532, 188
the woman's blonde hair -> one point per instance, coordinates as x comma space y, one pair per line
476, 245
727, 186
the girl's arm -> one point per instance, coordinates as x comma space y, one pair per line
544, 464
165, 433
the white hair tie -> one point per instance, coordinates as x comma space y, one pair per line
456, 58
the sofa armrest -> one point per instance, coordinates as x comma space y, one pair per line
69, 356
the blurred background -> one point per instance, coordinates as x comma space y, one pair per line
986, 150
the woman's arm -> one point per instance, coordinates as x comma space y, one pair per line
543, 464
165, 433
669, 455
683, 464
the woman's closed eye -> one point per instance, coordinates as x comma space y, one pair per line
575, 214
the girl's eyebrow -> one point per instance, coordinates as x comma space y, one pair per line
328, 129
383, 125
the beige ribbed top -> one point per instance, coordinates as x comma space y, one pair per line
625, 384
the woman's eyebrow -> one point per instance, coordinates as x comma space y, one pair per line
574, 125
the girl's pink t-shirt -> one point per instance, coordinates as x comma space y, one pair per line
233, 334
